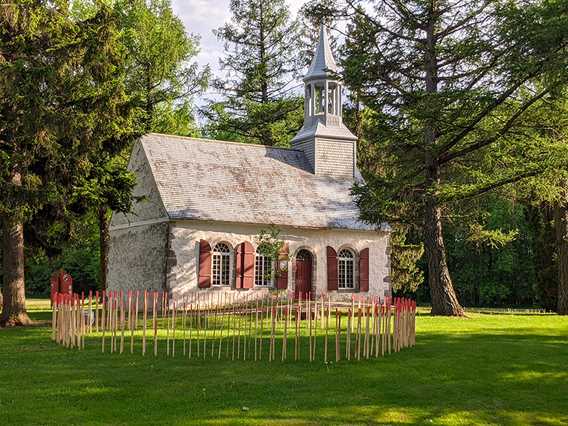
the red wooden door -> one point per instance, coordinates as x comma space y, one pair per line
303, 274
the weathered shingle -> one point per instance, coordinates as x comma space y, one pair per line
234, 182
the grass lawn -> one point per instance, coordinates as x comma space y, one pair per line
487, 369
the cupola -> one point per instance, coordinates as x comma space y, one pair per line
328, 144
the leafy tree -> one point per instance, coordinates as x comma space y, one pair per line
162, 73
60, 79
259, 101
450, 83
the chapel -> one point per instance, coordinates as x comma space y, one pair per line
201, 205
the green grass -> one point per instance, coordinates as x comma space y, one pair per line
487, 369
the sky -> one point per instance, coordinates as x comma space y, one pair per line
202, 16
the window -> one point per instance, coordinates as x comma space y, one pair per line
345, 270
262, 270
220, 272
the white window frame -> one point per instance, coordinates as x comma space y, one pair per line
346, 269
260, 271
221, 265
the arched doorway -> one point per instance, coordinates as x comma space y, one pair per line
303, 275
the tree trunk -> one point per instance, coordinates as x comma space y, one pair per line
444, 299
13, 290
561, 225
104, 244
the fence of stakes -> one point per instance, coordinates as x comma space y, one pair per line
271, 327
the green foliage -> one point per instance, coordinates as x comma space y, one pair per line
60, 79
406, 275
270, 245
82, 262
269, 242
261, 62
175, 119
162, 74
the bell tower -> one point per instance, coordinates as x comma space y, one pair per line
328, 144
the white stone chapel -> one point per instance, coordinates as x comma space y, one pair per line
202, 203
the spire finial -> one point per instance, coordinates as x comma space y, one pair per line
323, 63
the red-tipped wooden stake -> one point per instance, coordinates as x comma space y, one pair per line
144, 323
155, 321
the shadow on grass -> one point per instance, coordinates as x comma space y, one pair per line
514, 376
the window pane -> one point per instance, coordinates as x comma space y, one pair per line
221, 264
263, 271
345, 260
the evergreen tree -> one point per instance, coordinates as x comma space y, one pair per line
60, 80
262, 59
450, 82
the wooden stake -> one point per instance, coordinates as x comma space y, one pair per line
144, 324
131, 321
337, 335
155, 322
326, 326
348, 335
122, 322
136, 310
309, 313
366, 315
174, 315
389, 315
91, 313
96, 311
256, 332
103, 315
285, 337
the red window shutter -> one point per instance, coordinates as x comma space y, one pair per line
248, 265
282, 280
204, 279
331, 269
245, 265
364, 270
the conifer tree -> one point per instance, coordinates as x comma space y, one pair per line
60, 79
450, 82
260, 103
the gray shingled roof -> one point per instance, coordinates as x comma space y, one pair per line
237, 182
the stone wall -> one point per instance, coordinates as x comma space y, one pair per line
137, 257
183, 254
149, 205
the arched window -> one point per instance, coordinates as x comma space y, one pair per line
262, 270
345, 269
221, 261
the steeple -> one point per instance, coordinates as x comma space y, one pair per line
323, 65
328, 144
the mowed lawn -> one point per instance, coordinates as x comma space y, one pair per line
487, 369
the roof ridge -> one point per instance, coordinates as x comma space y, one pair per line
252, 145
